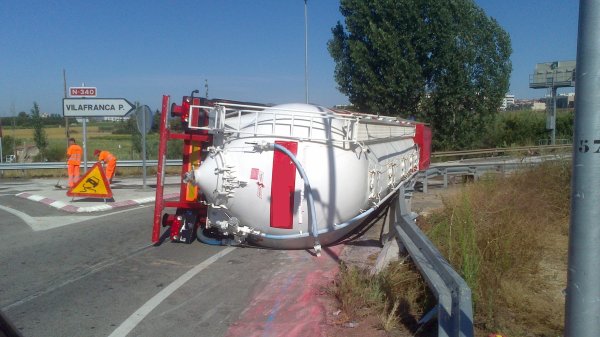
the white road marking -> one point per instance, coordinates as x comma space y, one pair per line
43, 223
132, 321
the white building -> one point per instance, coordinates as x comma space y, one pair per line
116, 119
537, 106
507, 101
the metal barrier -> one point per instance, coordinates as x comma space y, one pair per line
63, 165
500, 150
175, 162
475, 169
455, 308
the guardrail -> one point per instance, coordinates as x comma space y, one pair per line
175, 162
63, 165
475, 169
454, 310
500, 150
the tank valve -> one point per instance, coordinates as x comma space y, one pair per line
317, 248
188, 177
261, 146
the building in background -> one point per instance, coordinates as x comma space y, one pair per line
565, 101
507, 102
116, 119
539, 106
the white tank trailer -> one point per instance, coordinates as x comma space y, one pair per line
298, 176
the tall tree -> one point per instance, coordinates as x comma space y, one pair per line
445, 62
39, 134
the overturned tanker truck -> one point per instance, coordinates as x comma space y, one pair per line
291, 176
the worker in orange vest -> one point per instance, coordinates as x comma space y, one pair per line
74, 153
110, 162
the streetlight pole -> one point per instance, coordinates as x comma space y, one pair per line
583, 275
305, 52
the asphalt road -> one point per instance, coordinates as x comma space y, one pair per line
97, 275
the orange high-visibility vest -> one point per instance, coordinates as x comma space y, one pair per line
106, 157
74, 153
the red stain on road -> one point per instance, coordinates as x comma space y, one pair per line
292, 303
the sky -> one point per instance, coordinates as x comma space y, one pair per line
245, 50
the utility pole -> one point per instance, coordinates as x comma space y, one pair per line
206, 87
305, 51
582, 309
65, 96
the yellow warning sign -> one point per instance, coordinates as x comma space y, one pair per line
93, 184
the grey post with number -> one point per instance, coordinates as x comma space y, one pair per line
582, 310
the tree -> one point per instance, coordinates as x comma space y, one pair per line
23, 119
39, 134
156, 118
445, 62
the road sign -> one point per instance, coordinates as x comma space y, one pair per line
82, 91
142, 112
96, 107
93, 184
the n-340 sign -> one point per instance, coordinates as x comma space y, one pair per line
82, 91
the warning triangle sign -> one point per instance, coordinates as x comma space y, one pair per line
93, 184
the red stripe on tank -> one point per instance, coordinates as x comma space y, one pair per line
282, 187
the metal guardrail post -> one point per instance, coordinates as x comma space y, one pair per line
473, 172
445, 174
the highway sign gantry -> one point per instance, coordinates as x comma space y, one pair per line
96, 107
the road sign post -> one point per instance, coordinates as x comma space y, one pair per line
144, 123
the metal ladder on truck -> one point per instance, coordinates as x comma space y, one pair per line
190, 211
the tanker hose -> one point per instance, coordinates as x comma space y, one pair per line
309, 197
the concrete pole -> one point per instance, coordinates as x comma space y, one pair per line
582, 310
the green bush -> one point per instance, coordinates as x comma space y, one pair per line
8, 145
107, 128
519, 128
56, 151
174, 149
565, 122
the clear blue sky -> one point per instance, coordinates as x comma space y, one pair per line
247, 50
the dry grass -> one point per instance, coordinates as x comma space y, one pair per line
397, 296
508, 238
